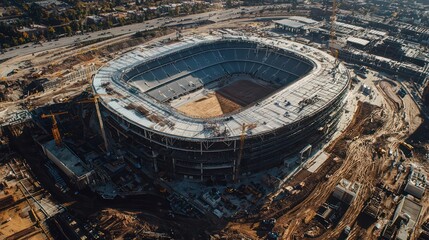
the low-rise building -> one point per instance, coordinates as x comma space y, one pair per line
295, 24
69, 163
53, 5
94, 19
416, 183
346, 191
406, 216
212, 197
34, 29
359, 43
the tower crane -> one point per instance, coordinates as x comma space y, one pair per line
244, 127
332, 34
100, 120
95, 100
55, 131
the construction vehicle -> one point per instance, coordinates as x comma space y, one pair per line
55, 131
407, 146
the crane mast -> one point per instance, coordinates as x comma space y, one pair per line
55, 131
244, 127
100, 120
332, 34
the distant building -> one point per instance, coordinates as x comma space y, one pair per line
94, 19
34, 29
113, 16
346, 191
349, 29
295, 24
357, 42
53, 5
9, 21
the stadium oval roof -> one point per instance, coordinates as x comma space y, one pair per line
267, 115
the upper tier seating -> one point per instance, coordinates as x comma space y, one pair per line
178, 73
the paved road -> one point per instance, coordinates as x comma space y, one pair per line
219, 15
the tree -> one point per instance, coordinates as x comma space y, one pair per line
93, 27
14, 41
141, 17
35, 12
41, 38
75, 26
229, 3
25, 35
33, 38
121, 21
186, 9
294, 4
71, 14
68, 30
51, 32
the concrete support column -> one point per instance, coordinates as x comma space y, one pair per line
202, 172
305, 152
173, 161
155, 165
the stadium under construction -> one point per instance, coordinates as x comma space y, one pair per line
211, 107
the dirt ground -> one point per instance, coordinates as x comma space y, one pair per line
389, 90
245, 92
211, 105
19, 219
357, 155
11, 222
121, 224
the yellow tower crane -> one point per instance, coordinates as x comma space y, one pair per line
100, 120
55, 130
95, 100
332, 34
244, 127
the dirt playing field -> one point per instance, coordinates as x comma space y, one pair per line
226, 100
212, 105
